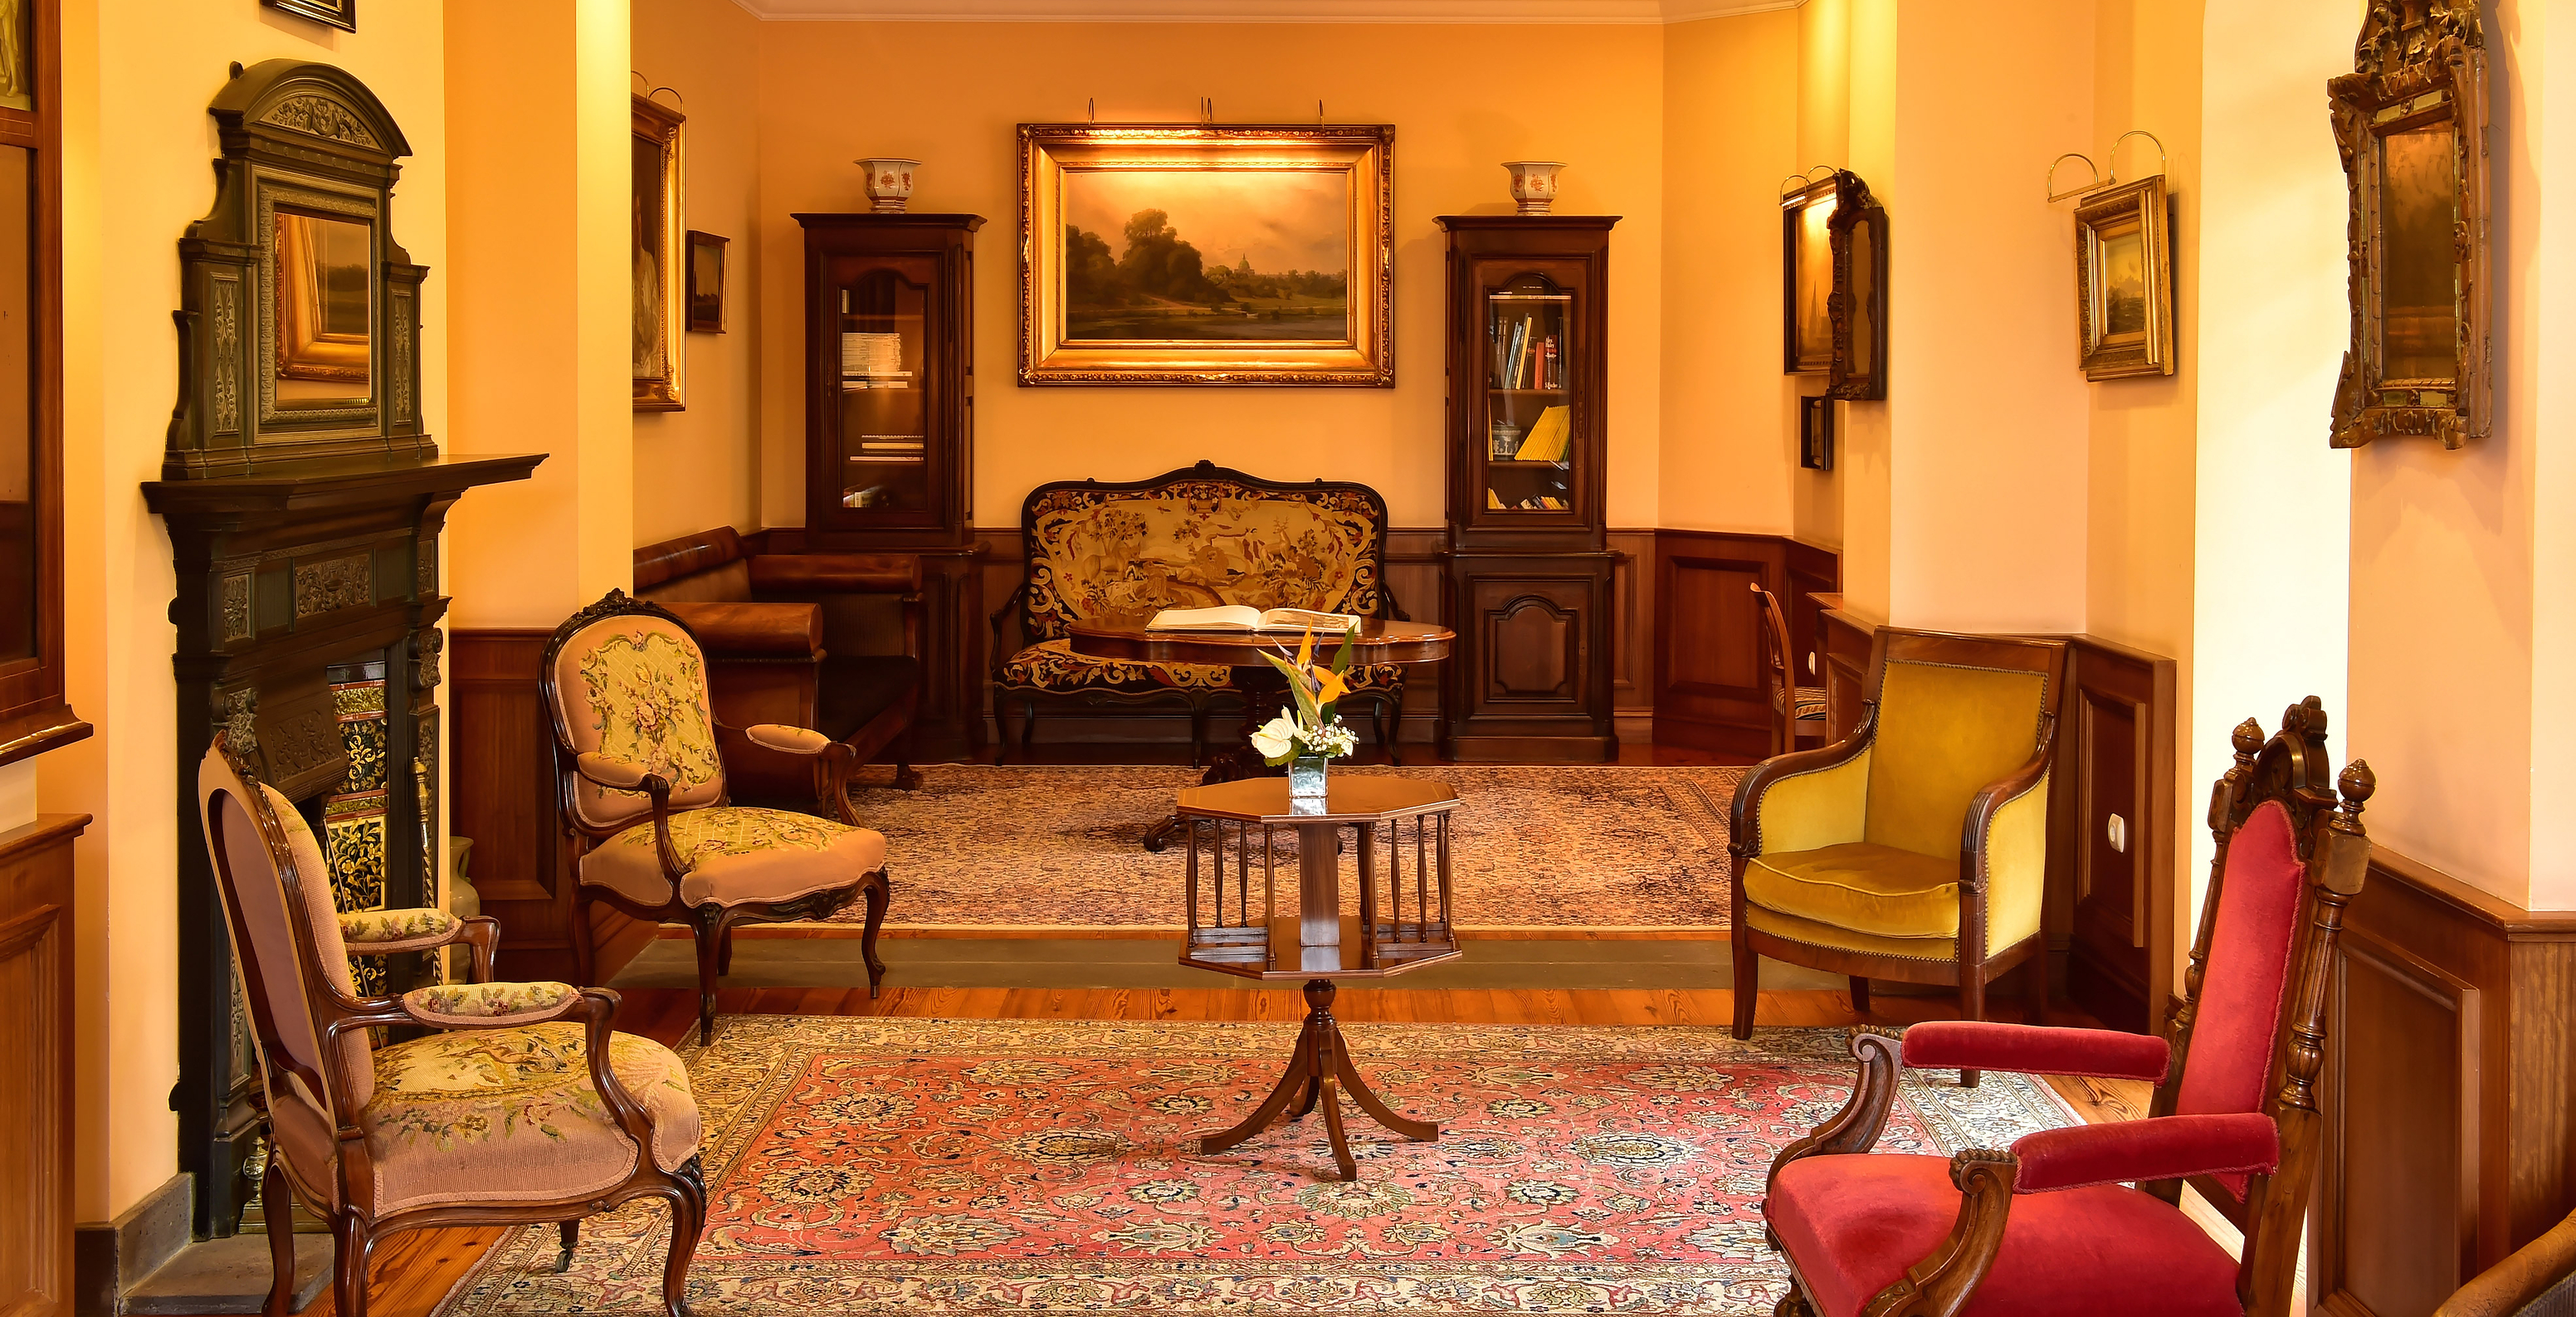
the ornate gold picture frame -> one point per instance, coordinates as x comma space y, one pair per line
1206, 254
2410, 121
661, 297
2124, 281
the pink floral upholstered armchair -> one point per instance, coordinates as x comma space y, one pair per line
644, 796
2053, 1225
521, 1107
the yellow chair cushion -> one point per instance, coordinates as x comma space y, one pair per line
1944, 733
1861, 886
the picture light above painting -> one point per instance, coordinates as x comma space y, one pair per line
2124, 321
1207, 254
1834, 283
2410, 121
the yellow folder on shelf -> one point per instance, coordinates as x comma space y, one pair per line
1549, 438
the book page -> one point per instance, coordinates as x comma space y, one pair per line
1226, 617
1298, 619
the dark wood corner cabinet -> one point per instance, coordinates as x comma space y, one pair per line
304, 498
890, 436
1528, 557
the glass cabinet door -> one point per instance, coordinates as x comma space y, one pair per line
886, 447
1529, 448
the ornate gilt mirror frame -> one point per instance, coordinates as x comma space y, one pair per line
299, 316
2410, 121
1834, 298
660, 220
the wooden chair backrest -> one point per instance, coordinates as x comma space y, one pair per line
2251, 1027
1783, 682
678, 741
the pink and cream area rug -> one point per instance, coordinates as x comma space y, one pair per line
1558, 848
946, 1168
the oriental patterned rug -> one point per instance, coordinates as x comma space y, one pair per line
949, 1168
1574, 847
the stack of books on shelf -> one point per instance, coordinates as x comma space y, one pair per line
1548, 439
1526, 358
889, 448
873, 361
1534, 503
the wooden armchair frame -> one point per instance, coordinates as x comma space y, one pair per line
1784, 674
355, 1230
1975, 966
710, 924
2334, 853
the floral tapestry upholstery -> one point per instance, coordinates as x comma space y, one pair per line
397, 930
1115, 557
736, 855
634, 687
1051, 665
488, 1003
484, 1115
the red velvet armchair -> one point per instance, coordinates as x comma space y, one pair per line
2052, 1224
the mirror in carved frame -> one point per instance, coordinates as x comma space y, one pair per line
2410, 121
1834, 285
299, 319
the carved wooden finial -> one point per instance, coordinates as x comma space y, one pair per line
2247, 740
2357, 783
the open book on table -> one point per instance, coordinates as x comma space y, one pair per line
1245, 617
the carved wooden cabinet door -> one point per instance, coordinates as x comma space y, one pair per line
36, 1067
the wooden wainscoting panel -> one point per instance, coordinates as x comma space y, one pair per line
1632, 633
2446, 1097
1711, 688
2402, 1076
2116, 741
36, 1067
501, 793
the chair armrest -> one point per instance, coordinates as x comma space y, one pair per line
1980, 844
489, 1005
786, 739
384, 932
836, 573
2032, 1050
2161, 1148
617, 774
1806, 800
2511, 1285
755, 630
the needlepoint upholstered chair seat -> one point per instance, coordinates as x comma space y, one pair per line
2052, 1225
1116, 554
639, 761
1914, 849
521, 1107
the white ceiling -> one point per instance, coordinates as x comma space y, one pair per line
1259, 11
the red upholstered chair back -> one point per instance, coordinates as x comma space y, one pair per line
2250, 1032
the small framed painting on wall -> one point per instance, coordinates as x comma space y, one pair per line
342, 14
1816, 433
2124, 282
706, 292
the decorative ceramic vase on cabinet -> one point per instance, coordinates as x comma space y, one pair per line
889, 184
1534, 184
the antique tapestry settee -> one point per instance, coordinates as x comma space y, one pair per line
1115, 554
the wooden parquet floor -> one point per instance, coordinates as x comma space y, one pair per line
413, 1271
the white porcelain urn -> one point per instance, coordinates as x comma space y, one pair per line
889, 183
1534, 184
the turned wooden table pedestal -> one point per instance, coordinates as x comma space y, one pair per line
1401, 839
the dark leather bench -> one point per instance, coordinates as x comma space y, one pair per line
758, 618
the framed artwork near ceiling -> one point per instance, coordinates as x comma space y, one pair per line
1816, 433
706, 282
660, 291
342, 14
1834, 284
2124, 281
1204, 254
2410, 122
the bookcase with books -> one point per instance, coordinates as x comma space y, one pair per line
889, 439
1527, 554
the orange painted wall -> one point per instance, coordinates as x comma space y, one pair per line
1730, 438
137, 76
950, 95
699, 468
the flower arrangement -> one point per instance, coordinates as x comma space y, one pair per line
1314, 727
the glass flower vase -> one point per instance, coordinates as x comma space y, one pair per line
1306, 783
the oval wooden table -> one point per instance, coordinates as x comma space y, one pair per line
1265, 692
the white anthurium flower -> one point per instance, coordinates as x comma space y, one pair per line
1276, 737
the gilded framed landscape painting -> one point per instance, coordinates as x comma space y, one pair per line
2124, 282
1206, 254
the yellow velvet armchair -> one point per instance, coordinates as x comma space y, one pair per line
1915, 849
